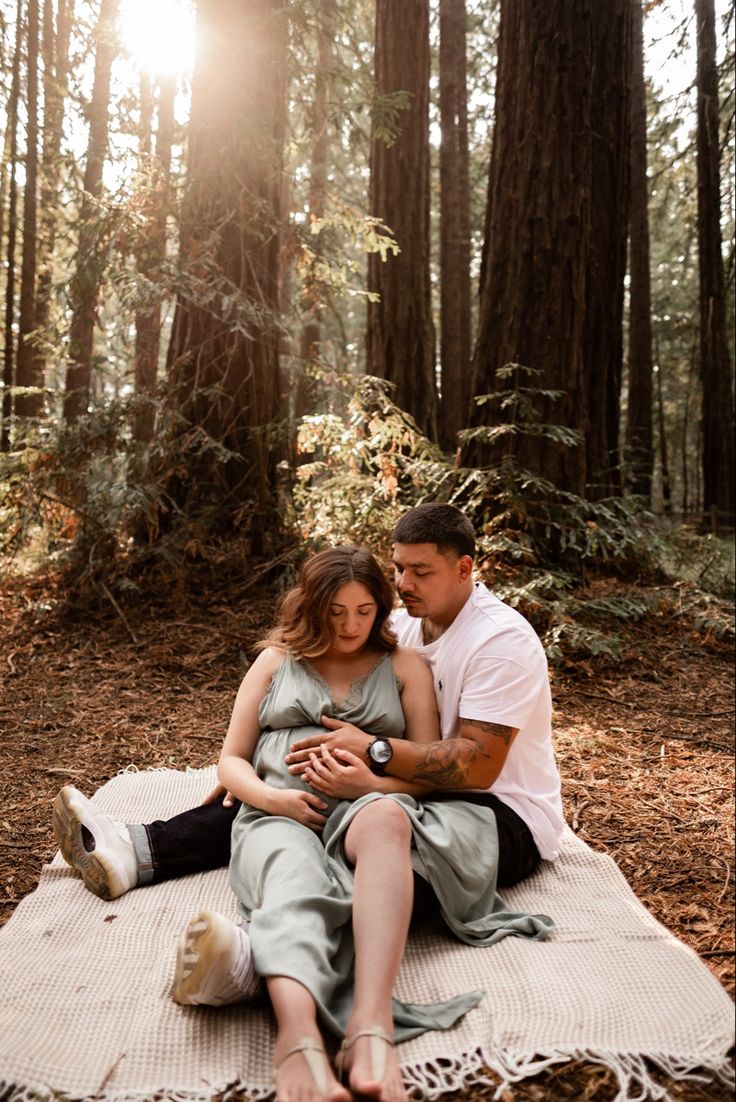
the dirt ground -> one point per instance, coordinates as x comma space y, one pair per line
645, 750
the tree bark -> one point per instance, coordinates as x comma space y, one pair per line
533, 294
27, 372
639, 452
715, 363
223, 353
400, 338
56, 66
551, 297
663, 450
85, 285
610, 145
152, 252
455, 346
312, 298
8, 352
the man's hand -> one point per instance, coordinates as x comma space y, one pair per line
340, 774
303, 807
343, 736
217, 793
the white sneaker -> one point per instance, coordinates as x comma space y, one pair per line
214, 963
94, 844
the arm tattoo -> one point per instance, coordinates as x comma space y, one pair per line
446, 764
498, 729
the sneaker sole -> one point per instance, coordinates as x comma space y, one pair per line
99, 875
204, 938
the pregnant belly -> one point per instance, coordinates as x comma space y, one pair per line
269, 764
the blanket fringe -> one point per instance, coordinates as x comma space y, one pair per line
498, 1068
427, 1080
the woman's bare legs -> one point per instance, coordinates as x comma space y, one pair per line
378, 844
305, 1075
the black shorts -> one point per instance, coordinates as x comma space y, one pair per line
518, 855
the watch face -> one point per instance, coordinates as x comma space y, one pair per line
381, 751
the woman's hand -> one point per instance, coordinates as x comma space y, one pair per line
338, 773
303, 807
219, 792
344, 735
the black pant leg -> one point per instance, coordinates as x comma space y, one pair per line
194, 841
518, 855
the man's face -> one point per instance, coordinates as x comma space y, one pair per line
431, 584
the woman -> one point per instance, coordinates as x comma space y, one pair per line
306, 866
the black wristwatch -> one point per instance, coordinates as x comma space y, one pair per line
380, 753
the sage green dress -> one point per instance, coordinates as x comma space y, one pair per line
295, 888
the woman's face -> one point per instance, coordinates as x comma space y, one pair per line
351, 615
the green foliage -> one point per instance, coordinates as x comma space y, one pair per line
705, 562
334, 270
89, 499
542, 550
357, 466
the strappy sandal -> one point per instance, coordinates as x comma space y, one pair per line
378, 1051
316, 1060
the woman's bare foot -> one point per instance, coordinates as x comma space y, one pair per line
303, 1073
368, 1057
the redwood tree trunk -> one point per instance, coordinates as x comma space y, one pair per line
532, 300
56, 65
27, 372
152, 252
455, 347
8, 351
553, 277
715, 363
86, 280
312, 300
610, 117
639, 452
223, 353
400, 337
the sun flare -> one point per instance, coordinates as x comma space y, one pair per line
158, 34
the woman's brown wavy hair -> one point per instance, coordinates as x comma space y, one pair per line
303, 626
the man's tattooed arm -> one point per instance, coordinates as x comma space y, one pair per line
499, 729
455, 762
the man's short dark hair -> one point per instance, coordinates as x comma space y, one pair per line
445, 525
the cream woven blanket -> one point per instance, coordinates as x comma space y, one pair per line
85, 1011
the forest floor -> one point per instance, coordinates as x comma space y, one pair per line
645, 750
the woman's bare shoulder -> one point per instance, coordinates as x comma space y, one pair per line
407, 663
268, 661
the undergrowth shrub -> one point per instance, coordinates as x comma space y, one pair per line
541, 549
96, 503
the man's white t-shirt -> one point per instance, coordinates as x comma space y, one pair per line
490, 665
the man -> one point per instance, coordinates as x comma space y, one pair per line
490, 677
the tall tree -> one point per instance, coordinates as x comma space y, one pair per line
85, 284
223, 353
639, 443
312, 302
455, 313
55, 75
400, 337
8, 351
548, 300
610, 121
152, 248
26, 368
715, 363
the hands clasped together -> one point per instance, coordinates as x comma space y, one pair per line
332, 764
